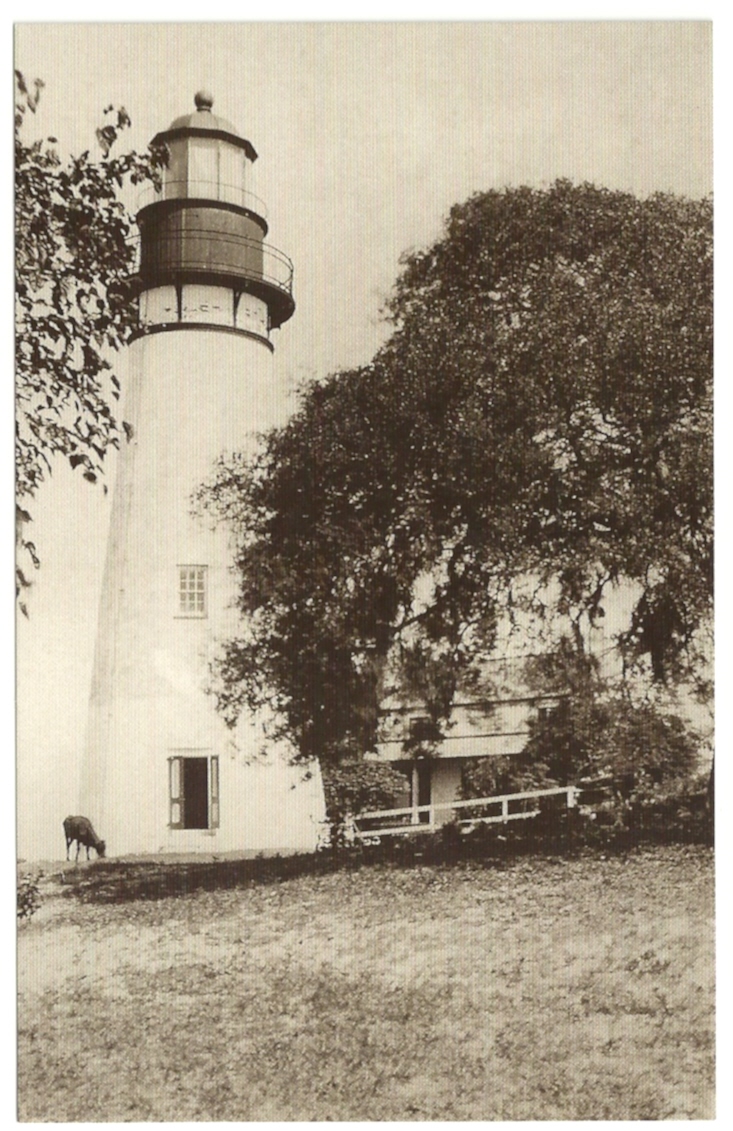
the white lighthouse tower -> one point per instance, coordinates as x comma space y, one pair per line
162, 771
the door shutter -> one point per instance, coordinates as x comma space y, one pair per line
175, 770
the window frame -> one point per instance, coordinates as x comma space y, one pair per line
188, 590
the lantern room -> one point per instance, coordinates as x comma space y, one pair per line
203, 258
207, 158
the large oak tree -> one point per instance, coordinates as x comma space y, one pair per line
542, 412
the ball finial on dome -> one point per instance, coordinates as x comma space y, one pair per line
203, 100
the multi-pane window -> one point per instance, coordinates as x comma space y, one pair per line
194, 791
192, 591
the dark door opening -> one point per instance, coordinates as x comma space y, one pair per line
195, 793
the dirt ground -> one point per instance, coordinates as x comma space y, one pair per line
539, 989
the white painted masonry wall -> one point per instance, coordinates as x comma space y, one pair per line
191, 395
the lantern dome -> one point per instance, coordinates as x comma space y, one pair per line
204, 123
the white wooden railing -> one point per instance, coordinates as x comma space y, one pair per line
417, 823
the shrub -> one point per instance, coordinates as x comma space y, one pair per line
675, 810
29, 897
507, 773
649, 749
635, 765
631, 746
351, 788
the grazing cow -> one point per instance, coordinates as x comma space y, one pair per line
80, 829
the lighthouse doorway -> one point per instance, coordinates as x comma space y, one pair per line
195, 793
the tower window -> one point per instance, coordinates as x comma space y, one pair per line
192, 591
194, 791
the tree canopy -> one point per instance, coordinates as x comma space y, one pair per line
74, 249
538, 428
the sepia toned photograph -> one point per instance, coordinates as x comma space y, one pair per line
364, 571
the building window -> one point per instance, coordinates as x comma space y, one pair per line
421, 727
423, 735
192, 591
194, 791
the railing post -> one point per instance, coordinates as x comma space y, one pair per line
505, 809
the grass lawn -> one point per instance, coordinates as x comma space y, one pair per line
536, 989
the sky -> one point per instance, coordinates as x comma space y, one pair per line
367, 133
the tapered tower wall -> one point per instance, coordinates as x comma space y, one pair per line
201, 382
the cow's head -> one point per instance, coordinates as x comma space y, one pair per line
101, 848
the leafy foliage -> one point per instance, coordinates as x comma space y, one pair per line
28, 896
74, 249
542, 412
354, 787
564, 340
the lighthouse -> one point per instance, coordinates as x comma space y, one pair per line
162, 772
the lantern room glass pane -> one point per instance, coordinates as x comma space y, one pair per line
203, 173
231, 173
176, 173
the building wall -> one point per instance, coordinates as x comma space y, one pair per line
476, 730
